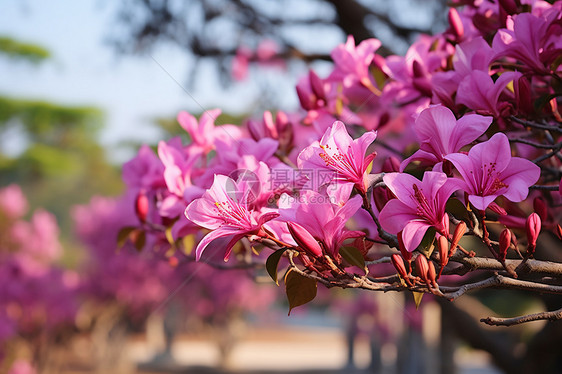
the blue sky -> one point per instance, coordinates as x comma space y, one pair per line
85, 70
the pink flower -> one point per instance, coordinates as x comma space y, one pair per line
144, 171
13, 203
489, 171
323, 216
440, 134
480, 93
339, 153
474, 54
534, 41
224, 209
419, 205
352, 63
204, 133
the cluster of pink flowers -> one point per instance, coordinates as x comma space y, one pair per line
37, 298
475, 107
144, 283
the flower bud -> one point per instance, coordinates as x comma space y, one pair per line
380, 197
514, 240
443, 246
141, 206
497, 209
505, 242
407, 255
431, 274
398, 263
270, 128
460, 230
540, 208
285, 132
304, 239
418, 69
422, 267
390, 165
317, 85
524, 96
445, 223
306, 100
456, 23
533, 228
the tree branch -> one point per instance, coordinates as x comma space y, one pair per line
548, 316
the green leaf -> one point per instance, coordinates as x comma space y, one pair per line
427, 244
354, 257
28, 51
300, 289
417, 298
457, 209
123, 235
272, 263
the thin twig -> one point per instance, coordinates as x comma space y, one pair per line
548, 316
504, 282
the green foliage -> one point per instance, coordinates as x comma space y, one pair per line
50, 123
21, 50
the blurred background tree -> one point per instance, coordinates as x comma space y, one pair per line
300, 30
52, 150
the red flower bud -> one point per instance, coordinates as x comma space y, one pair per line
431, 274
445, 223
443, 246
540, 208
533, 228
422, 267
407, 255
141, 206
398, 263
304, 239
460, 230
497, 209
456, 23
505, 242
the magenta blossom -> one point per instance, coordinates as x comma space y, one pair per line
323, 216
489, 171
204, 132
352, 62
534, 41
419, 205
224, 209
480, 93
440, 134
339, 153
